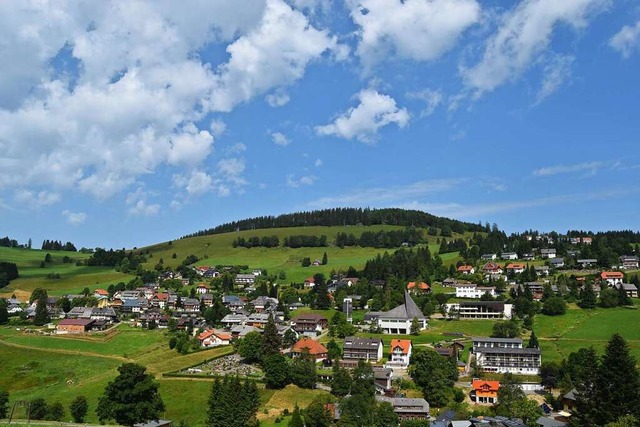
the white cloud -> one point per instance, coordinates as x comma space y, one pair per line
317, 163
199, 183
294, 182
590, 167
138, 205
74, 217
237, 148
522, 38
374, 111
280, 139
626, 40
217, 127
420, 30
556, 72
385, 195
273, 55
432, 99
277, 98
33, 199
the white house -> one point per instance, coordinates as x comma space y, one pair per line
515, 268
471, 290
213, 338
548, 253
506, 355
466, 269
509, 255
400, 353
612, 277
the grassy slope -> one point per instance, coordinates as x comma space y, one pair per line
73, 279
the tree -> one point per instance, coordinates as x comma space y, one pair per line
132, 397
38, 409
276, 371
508, 329
513, 402
618, 382
250, 347
588, 297
554, 306
317, 414
232, 403
78, 409
435, 374
35, 295
42, 314
533, 341
340, 381
303, 371
608, 298
55, 412
625, 421
415, 326
271, 341
585, 381
325, 259
47, 257
4, 403
289, 338
357, 410
385, 415
4, 314
363, 380
296, 418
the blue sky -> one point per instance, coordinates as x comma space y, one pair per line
128, 123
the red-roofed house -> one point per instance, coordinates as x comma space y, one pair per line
485, 391
308, 345
400, 353
100, 293
516, 268
74, 326
418, 287
492, 268
309, 283
202, 289
612, 277
213, 338
466, 269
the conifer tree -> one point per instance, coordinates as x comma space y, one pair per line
533, 341
271, 341
588, 297
42, 314
296, 418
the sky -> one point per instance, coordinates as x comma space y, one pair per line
123, 124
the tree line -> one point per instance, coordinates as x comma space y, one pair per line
8, 272
56, 245
344, 217
381, 239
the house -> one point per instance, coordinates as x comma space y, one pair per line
240, 331
207, 300
213, 338
466, 269
106, 314
506, 355
231, 320
367, 349
492, 268
629, 288
471, 290
548, 253
515, 268
399, 319
258, 320
629, 262
407, 408
509, 256
309, 283
556, 262
382, 377
587, 262
125, 295
488, 257
191, 305
479, 310
485, 391
79, 313
233, 302
245, 279
202, 289
399, 353
612, 277
416, 287
587, 240
569, 401
100, 293
155, 423
261, 303
528, 256
309, 324
542, 270
311, 347
74, 326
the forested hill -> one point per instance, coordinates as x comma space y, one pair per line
343, 217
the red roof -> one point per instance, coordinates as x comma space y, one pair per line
486, 386
491, 266
611, 275
101, 292
313, 346
423, 286
206, 334
405, 345
514, 266
465, 268
75, 322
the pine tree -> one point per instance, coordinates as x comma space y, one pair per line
42, 314
587, 399
618, 382
271, 341
415, 326
325, 259
296, 418
533, 341
588, 297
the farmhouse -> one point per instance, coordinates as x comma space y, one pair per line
612, 277
515, 268
556, 262
629, 262
492, 268
418, 288
399, 319
311, 347
548, 253
245, 279
542, 270
587, 262
488, 257
74, 326
213, 338
466, 269
309, 324
509, 256
506, 355
629, 288
367, 349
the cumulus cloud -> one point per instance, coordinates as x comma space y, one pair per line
294, 182
280, 139
420, 30
362, 122
317, 163
273, 55
626, 40
138, 204
523, 37
74, 218
277, 99
36, 199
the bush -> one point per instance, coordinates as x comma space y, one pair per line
554, 306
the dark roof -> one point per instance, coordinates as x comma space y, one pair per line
496, 305
362, 343
76, 322
408, 310
500, 350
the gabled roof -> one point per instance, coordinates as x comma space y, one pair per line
312, 346
485, 385
611, 275
408, 310
405, 345
515, 265
422, 286
465, 268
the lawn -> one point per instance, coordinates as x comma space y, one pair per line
287, 399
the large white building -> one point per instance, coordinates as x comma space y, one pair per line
398, 320
506, 355
471, 290
496, 310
